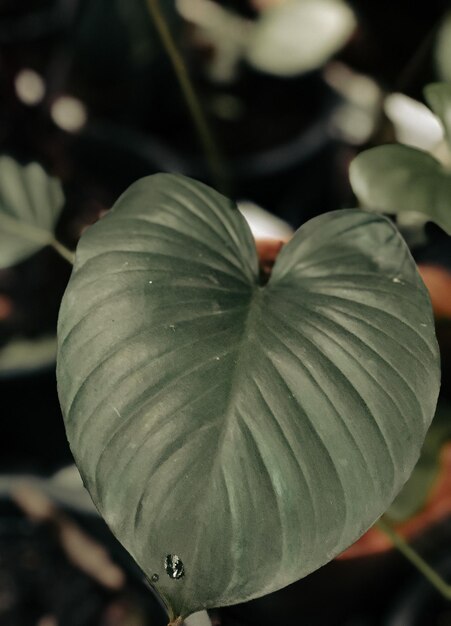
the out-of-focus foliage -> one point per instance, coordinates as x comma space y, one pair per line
438, 96
30, 205
396, 178
298, 36
443, 49
287, 39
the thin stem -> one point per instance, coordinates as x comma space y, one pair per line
417, 561
36, 235
200, 122
63, 251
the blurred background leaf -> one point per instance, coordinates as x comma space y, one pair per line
438, 97
443, 49
299, 36
395, 178
30, 205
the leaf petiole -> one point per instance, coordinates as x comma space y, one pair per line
417, 561
63, 251
204, 132
36, 235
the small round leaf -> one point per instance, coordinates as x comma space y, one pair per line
298, 36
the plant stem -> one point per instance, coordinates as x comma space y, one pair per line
36, 235
200, 122
417, 561
63, 251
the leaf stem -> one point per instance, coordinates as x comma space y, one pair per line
417, 561
63, 251
212, 153
36, 235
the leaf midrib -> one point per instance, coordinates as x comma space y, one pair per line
244, 343
253, 310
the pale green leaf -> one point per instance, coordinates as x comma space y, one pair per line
438, 97
30, 205
21, 356
396, 178
253, 432
298, 36
416, 491
443, 48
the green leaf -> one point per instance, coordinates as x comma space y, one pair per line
30, 204
443, 48
399, 179
298, 36
438, 97
415, 492
253, 432
396, 178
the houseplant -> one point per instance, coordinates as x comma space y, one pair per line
173, 330
326, 325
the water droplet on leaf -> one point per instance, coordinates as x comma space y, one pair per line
174, 566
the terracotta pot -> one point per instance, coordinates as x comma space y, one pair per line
438, 281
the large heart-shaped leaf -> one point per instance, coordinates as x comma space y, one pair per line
30, 204
240, 434
398, 179
298, 36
